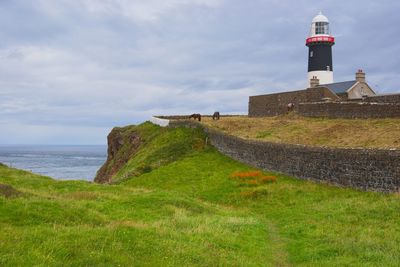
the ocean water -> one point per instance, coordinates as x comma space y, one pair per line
59, 162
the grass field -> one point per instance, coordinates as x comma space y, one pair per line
201, 209
293, 129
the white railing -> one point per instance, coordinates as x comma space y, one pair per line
160, 122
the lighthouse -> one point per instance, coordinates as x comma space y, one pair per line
320, 44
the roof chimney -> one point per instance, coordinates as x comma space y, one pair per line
360, 76
314, 82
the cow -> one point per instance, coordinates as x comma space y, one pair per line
195, 116
216, 115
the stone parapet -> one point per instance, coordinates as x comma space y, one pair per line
350, 110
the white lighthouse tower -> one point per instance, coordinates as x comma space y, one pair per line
320, 44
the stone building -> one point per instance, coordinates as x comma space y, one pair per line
349, 99
277, 104
354, 89
324, 97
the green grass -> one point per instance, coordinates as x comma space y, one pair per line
188, 211
158, 147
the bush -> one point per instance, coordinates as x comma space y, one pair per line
249, 174
252, 178
268, 179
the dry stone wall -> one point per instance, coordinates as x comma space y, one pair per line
390, 98
276, 104
365, 169
350, 110
310, 103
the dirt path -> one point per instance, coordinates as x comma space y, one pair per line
279, 252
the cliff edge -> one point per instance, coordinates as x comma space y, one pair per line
134, 150
123, 143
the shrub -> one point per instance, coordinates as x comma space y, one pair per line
198, 144
253, 182
268, 179
252, 178
143, 169
248, 174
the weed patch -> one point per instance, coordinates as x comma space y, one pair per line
245, 175
263, 134
254, 194
252, 178
8, 191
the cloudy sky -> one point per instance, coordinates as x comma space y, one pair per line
71, 70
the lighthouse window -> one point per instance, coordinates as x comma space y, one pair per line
321, 28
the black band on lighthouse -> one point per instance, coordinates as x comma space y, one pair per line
320, 57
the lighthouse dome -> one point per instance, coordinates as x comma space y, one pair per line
319, 25
320, 18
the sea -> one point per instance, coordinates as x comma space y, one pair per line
59, 162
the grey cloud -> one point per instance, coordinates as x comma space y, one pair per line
70, 67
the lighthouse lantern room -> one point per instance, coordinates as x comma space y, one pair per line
320, 44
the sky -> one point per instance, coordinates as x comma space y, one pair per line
70, 70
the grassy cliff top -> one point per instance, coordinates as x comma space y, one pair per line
134, 150
292, 129
198, 209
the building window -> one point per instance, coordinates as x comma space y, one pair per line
311, 53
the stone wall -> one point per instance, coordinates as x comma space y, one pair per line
365, 169
389, 98
392, 98
184, 117
276, 104
349, 110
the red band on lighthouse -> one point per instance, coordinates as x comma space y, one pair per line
317, 39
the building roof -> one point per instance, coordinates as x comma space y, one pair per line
339, 88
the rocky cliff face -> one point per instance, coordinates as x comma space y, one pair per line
122, 146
